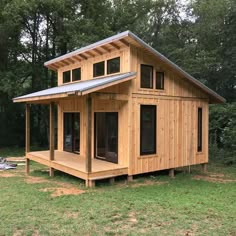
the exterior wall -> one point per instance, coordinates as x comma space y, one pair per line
98, 105
174, 85
87, 65
177, 109
176, 134
72, 105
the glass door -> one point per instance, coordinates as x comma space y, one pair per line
72, 132
106, 136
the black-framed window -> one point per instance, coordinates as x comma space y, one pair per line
99, 69
147, 129
160, 76
113, 65
146, 76
66, 76
199, 130
72, 132
76, 74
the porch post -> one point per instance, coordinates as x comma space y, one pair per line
27, 128
27, 137
204, 167
51, 132
89, 134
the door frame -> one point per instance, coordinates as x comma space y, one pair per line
95, 135
63, 136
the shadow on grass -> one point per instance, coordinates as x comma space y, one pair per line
39, 170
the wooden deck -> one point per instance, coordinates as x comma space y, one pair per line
74, 164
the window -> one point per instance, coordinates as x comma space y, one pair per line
113, 65
66, 76
98, 69
146, 76
76, 74
148, 129
72, 132
199, 130
160, 80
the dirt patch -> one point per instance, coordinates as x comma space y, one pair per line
147, 182
60, 191
15, 159
214, 178
35, 180
18, 232
132, 217
7, 175
72, 215
216, 175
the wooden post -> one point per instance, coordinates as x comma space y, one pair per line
51, 133
51, 172
27, 137
89, 134
204, 168
27, 166
130, 178
89, 183
172, 173
112, 180
27, 128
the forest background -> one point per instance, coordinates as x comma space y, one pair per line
198, 35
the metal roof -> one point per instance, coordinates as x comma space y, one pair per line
173, 65
89, 47
131, 38
80, 88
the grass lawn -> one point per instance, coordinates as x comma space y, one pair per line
189, 204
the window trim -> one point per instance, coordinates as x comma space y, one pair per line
66, 71
199, 129
163, 82
77, 68
154, 152
107, 61
72, 113
150, 66
104, 70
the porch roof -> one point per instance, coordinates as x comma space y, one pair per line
79, 88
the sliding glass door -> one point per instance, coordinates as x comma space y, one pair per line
106, 136
72, 132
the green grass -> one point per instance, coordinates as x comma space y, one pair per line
12, 151
17, 151
151, 205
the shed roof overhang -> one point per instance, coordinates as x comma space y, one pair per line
79, 88
119, 41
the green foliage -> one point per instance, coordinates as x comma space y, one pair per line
200, 36
223, 132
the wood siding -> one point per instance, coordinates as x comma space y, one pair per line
174, 85
177, 107
176, 135
87, 65
98, 105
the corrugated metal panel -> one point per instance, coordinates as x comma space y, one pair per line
79, 87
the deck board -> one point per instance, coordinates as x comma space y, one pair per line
74, 164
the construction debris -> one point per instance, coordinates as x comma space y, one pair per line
5, 165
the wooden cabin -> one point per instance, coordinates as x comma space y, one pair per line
123, 109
